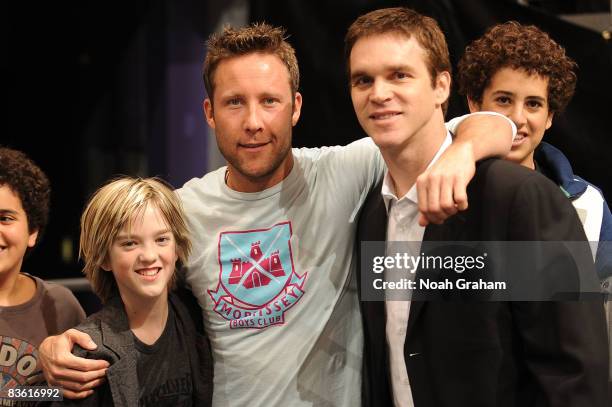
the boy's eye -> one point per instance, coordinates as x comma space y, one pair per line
163, 239
6, 218
503, 100
534, 104
128, 243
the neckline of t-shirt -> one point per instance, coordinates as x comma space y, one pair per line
255, 196
154, 347
29, 303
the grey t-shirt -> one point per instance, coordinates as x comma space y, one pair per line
273, 273
52, 310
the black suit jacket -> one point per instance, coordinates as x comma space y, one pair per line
493, 353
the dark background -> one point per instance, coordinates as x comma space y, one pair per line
99, 89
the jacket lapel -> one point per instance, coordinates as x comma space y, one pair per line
451, 230
373, 220
117, 336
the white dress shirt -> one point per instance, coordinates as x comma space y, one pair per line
403, 225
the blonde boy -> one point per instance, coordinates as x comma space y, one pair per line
133, 234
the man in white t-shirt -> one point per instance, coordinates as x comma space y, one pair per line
273, 236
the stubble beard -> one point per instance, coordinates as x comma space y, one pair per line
262, 173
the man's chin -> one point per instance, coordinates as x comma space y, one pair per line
261, 170
256, 173
387, 142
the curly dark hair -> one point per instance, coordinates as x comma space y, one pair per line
29, 183
517, 46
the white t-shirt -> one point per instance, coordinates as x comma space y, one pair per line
271, 272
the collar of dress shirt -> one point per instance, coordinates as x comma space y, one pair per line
388, 190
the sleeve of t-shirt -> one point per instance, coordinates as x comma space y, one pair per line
452, 124
69, 311
358, 166
350, 171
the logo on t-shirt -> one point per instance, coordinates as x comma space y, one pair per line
257, 280
18, 363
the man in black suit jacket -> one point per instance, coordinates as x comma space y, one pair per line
464, 352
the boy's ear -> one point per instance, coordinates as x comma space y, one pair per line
32, 238
105, 265
549, 120
474, 107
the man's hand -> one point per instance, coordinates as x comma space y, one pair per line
442, 187
77, 376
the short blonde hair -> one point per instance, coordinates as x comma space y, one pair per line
114, 206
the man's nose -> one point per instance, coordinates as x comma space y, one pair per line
381, 92
252, 121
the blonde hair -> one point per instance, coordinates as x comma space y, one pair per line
114, 206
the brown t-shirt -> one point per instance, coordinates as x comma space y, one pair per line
52, 310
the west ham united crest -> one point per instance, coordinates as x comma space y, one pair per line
257, 280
